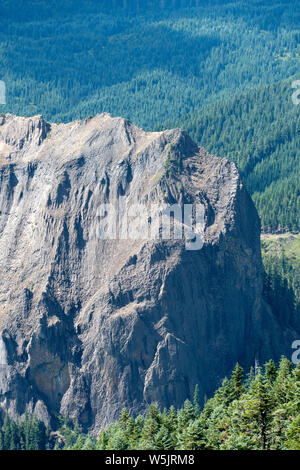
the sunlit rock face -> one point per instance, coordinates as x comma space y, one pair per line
91, 325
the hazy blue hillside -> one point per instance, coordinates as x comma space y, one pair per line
206, 68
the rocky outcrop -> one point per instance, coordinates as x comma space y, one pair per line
90, 325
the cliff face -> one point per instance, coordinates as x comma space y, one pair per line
90, 325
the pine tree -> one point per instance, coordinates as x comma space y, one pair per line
283, 385
196, 401
117, 439
293, 434
236, 381
163, 439
225, 393
89, 444
259, 409
193, 437
124, 418
186, 414
249, 378
79, 444
132, 433
102, 440
270, 372
171, 420
9, 434
150, 428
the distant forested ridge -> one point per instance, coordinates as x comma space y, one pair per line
255, 411
222, 70
38, 9
259, 130
281, 257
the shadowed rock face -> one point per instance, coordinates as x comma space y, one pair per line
88, 325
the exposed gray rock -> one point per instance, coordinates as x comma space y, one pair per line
88, 325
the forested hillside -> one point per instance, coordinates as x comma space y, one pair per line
222, 70
38, 9
259, 130
254, 411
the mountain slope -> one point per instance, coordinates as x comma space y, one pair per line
89, 324
157, 63
260, 131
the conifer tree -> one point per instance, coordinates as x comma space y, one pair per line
102, 440
196, 401
283, 384
150, 427
236, 381
124, 418
270, 371
224, 395
293, 434
193, 437
259, 409
117, 439
163, 439
132, 433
